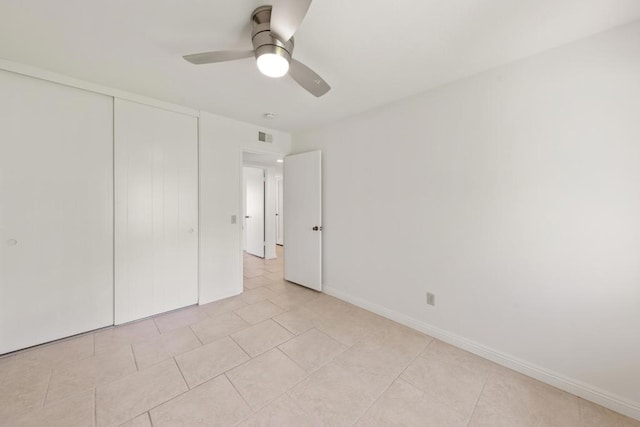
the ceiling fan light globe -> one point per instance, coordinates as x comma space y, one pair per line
272, 65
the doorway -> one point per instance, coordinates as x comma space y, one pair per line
263, 255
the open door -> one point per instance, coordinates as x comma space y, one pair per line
303, 219
254, 211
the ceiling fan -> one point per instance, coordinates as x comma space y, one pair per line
272, 37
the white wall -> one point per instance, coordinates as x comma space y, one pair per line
514, 196
221, 143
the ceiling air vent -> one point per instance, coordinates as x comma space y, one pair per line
265, 137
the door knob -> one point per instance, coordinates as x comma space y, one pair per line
316, 228
247, 216
12, 242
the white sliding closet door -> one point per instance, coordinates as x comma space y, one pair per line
156, 215
56, 211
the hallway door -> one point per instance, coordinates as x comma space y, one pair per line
254, 211
303, 219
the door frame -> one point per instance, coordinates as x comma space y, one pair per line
252, 150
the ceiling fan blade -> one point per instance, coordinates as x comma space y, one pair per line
218, 56
308, 79
286, 17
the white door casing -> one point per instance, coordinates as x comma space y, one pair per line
303, 219
156, 210
279, 211
254, 210
56, 211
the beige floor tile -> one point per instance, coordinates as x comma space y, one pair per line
596, 416
255, 282
253, 272
511, 399
256, 313
253, 296
488, 416
273, 276
218, 326
22, 390
299, 320
164, 347
402, 404
279, 286
139, 421
329, 307
392, 334
214, 403
385, 352
263, 379
49, 355
179, 318
86, 374
123, 335
210, 360
453, 376
313, 349
74, 411
346, 328
282, 412
261, 337
223, 306
338, 396
275, 268
135, 394
293, 299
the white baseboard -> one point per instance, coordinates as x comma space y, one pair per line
578, 388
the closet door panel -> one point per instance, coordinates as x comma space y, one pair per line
56, 211
156, 178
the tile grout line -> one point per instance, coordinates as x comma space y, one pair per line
156, 325
429, 393
242, 348
181, 373
46, 390
477, 400
393, 381
177, 395
194, 333
281, 394
95, 406
294, 362
135, 360
239, 394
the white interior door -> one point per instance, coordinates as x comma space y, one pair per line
56, 211
303, 219
279, 212
254, 210
156, 215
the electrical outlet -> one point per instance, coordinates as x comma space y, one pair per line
431, 299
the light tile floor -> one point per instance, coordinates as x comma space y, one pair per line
277, 355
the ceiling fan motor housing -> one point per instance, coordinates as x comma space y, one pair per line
262, 39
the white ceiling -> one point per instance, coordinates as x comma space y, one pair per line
371, 52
